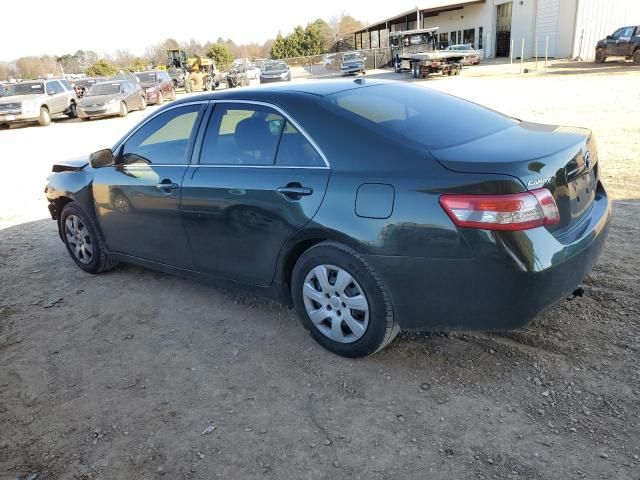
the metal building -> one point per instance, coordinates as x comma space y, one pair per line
561, 28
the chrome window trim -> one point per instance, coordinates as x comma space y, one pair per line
289, 119
117, 146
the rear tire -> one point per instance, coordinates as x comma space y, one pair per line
173, 94
160, 98
45, 118
83, 240
636, 57
337, 307
601, 57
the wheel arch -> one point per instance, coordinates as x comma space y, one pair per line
293, 250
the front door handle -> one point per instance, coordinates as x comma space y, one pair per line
167, 184
295, 191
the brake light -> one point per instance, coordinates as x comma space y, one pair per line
517, 211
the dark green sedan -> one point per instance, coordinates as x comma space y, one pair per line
368, 206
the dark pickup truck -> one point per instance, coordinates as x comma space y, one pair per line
624, 42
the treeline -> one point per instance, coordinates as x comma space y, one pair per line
316, 38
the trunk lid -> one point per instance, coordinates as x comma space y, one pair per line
561, 159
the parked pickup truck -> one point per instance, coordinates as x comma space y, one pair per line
37, 101
624, 42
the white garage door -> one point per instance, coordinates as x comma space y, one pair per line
546, 26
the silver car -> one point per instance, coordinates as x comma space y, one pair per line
37, 101
111, 98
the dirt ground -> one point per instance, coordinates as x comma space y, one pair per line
118, 376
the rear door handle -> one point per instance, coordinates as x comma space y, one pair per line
295, 192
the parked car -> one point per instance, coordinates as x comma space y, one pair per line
369, 206
111, 98
36, 101
352, 63
624, 42
471, 55
84, 84
253, 72
275, 71
157, 86
331, 61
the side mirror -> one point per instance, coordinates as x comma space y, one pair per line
609, 37
102, 158
51, 92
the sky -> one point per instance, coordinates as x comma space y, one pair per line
134, 24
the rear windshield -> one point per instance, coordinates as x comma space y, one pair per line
272, 67
147, 77
417, 115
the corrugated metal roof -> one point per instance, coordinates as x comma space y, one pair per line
431, 6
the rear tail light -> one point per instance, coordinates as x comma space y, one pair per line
517, 211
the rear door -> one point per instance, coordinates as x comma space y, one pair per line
57, 100
624, 43
137, 201
259, 180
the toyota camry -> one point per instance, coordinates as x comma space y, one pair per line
368, 206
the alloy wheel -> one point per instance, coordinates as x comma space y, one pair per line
79, 239
335, 303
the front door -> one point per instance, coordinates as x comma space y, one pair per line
259, 180
137, 200
611, 43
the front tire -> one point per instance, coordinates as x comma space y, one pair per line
143, 103
601, 57
83, 240
341, 301
124, 111
160, 98
73, 111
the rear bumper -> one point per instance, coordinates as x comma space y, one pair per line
513, 277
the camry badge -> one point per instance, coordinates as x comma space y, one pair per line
539, 181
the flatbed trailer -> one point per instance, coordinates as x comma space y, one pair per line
415, 51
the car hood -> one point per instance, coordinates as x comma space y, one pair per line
72, 165
19, 98
98, 99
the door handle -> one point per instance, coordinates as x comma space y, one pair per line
167, 184
295, 191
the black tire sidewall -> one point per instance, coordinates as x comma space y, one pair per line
379, 309
636, 57
74, 209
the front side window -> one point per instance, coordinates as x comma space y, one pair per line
163, 140
616, 34
626, 33
240, 134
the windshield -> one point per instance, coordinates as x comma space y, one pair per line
417, 115
272, 67
148, 77
25, 89
350, 57
104, 89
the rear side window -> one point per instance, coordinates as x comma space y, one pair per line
54, 87
417, 115
295, 150
241, 134
164, 140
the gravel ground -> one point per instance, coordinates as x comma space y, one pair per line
118, 376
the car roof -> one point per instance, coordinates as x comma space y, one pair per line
318, 88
